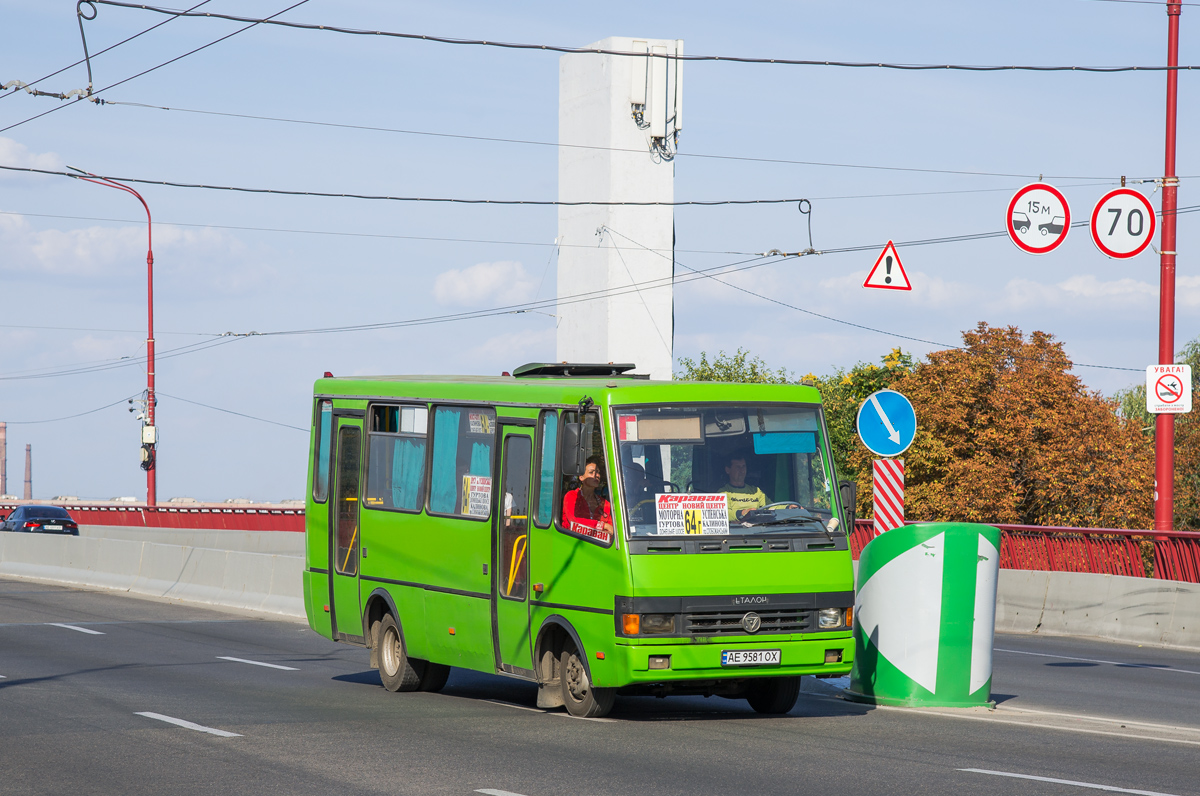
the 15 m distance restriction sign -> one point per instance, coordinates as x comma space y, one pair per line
1038, 218
1123, 223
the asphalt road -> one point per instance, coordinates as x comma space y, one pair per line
98, 713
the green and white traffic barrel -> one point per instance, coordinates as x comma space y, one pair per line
925, 616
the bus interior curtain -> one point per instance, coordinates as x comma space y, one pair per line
408, 468
322, 477
481, 459
443, 481
546, 485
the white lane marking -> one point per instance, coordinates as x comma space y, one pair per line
511, 705
80, 629
258, 663
1085, 731
581, 718
1085, 717
493, 791
189, 725
1092, 785
1094, 660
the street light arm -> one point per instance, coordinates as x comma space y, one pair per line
150, 462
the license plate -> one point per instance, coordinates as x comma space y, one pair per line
750, 657
52, 527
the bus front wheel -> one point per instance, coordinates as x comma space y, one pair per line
395, 671
580, 697
773, 695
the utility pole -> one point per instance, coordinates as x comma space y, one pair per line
1164, 424
3, 458
28, 472
149, 429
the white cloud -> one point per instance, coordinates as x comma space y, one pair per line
485, 284
16, 154
1085, 292
203, 260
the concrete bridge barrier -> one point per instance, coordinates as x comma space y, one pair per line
246, 580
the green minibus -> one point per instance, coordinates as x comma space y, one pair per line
583, 528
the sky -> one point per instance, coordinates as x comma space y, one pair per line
72, 255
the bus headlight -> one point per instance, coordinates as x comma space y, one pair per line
829, 618
658, 623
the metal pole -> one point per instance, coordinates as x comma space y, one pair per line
149, 464
28, 493
1164, 424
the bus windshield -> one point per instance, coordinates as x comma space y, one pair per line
723, 469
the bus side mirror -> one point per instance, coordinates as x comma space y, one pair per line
849, 492
573, 456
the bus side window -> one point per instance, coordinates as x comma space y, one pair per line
396, 458
324, 426
568, 484
547, 459
460, 473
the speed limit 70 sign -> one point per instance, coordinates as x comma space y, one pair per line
1123, 223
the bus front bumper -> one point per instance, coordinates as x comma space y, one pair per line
665, 660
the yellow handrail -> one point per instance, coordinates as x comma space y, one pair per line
519, 546
350, 549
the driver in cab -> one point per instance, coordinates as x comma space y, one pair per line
742, 497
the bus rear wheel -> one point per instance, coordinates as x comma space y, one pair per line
433, 676
580, 697
773, 695
395, 670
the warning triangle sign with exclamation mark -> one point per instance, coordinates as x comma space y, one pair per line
888, 273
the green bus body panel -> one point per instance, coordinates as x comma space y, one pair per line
672, 575
316, 590
433, 567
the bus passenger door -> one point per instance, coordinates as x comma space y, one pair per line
345, 539
510, 556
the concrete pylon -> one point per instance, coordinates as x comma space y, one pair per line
619, 117
28, 472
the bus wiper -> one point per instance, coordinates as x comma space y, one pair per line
789, 520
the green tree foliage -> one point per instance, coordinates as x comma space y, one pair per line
1132, 402
843, 392
739, 367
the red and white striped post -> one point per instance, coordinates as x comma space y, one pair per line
888, 494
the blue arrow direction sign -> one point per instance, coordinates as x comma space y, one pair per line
887, 423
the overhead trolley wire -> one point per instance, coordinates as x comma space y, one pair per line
153, 68
628, 53
434, 199
559, 145
71, 417
500, 202
17, 88
124, 41
229, 411
851, 323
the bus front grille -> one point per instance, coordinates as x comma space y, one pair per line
785, 620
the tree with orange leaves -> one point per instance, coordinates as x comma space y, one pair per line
1005, 433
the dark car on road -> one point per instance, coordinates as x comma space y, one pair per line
40, 519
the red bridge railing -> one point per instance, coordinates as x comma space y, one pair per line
1165, 555
185, 516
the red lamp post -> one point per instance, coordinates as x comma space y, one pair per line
1164, 424
149, 430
